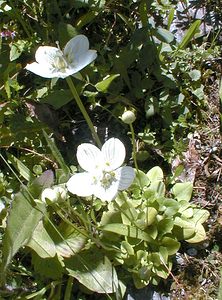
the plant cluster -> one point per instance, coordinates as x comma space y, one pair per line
70, 209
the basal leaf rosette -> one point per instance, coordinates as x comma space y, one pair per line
146, 226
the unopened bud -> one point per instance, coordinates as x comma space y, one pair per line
55, 194
128, 117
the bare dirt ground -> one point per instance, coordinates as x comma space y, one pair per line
198, 266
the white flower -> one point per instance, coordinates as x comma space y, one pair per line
52, 62
104, 176
55, 194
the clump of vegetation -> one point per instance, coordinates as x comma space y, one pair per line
110, 146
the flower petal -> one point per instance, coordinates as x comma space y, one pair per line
114, 153
41, 70
82, 61
81, 184
106, 194
125, 176
89, 157
45, 55
76, 47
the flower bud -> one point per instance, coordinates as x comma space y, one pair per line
49, 194
128, 117
57, 193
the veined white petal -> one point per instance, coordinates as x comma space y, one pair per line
82, 61
76, 47
47, 55
106, 194
125, 176
81, 184
89, 157
41, 70
114, 154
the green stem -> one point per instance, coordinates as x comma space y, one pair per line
83, 111
134, 152
68, 291
134, 147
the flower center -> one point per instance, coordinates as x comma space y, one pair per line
60, 63
105, 178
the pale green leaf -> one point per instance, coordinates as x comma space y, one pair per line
183, 190
129, 231
189, 34
163, 35
103, 85
155, 174
172, 245
41, 242
94, 270
71, 242
195, 75
200, 234
200, 215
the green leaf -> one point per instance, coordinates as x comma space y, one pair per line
21, 223
165, 226
170, 17
16, 49
163, 35
172, 245
40, 183
171, 207
103, 85
183, 191
41, 242
161, 271
189, 34
66, 32
50, 268
72, 242
200, 215
195, 75
199, 92
140, 180
94, 270
200, 234
146, 218
163, 254
155, 174
188, 213
186, 228
86, 18
129, 231
56, 154
22, 169
58, 98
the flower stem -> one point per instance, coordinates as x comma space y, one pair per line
134, 147
134, 152
83, 111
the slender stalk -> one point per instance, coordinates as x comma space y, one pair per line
134, 147
134, 152
68, 291
83, 111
